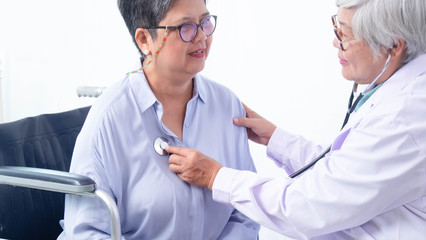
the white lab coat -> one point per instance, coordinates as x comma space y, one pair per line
371, 186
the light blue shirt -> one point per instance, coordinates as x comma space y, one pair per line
115, 149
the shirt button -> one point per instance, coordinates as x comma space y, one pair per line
187, 124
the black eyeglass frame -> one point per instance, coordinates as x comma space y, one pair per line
196, 31
338, 32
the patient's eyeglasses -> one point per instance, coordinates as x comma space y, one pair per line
189, 30
338, 33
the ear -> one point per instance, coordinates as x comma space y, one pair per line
398, 50
143, 39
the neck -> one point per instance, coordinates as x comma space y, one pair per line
173, 94
169, 89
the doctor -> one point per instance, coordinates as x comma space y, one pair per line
372, 183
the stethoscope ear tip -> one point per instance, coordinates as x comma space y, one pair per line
160, 145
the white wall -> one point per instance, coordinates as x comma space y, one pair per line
277, 56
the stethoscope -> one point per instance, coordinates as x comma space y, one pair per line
351, 108
161, 143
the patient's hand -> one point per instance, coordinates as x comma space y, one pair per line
193, 167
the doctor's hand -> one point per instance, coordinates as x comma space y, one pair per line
259, 130
192, 166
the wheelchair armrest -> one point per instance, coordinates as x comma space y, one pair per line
47, 179
64, 182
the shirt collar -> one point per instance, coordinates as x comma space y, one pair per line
199, 88
403, 76
146, 98
398, 81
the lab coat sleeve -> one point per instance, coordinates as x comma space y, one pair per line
379, 167
237, 188
284, 149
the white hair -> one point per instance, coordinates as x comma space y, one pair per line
381, 23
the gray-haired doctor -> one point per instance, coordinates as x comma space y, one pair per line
372, 182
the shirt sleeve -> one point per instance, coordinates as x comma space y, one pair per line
284, 149
240, 226
242, 190
87, 217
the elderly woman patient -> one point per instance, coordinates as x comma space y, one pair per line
166, 97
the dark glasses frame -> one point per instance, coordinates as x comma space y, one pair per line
190, 23
337, 31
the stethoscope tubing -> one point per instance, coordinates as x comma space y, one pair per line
351, 108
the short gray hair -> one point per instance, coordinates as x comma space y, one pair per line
144, 13
381, 23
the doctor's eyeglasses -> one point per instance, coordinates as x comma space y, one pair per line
188, 31
338, 33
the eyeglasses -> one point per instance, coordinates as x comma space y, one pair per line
338, 32
189, 30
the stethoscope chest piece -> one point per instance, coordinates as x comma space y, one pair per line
160, 145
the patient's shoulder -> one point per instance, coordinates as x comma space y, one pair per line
214, 90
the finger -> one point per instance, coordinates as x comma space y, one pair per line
250, 113
177, 150
175, 168
182, 177
246, 108
175, 159
242, 122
